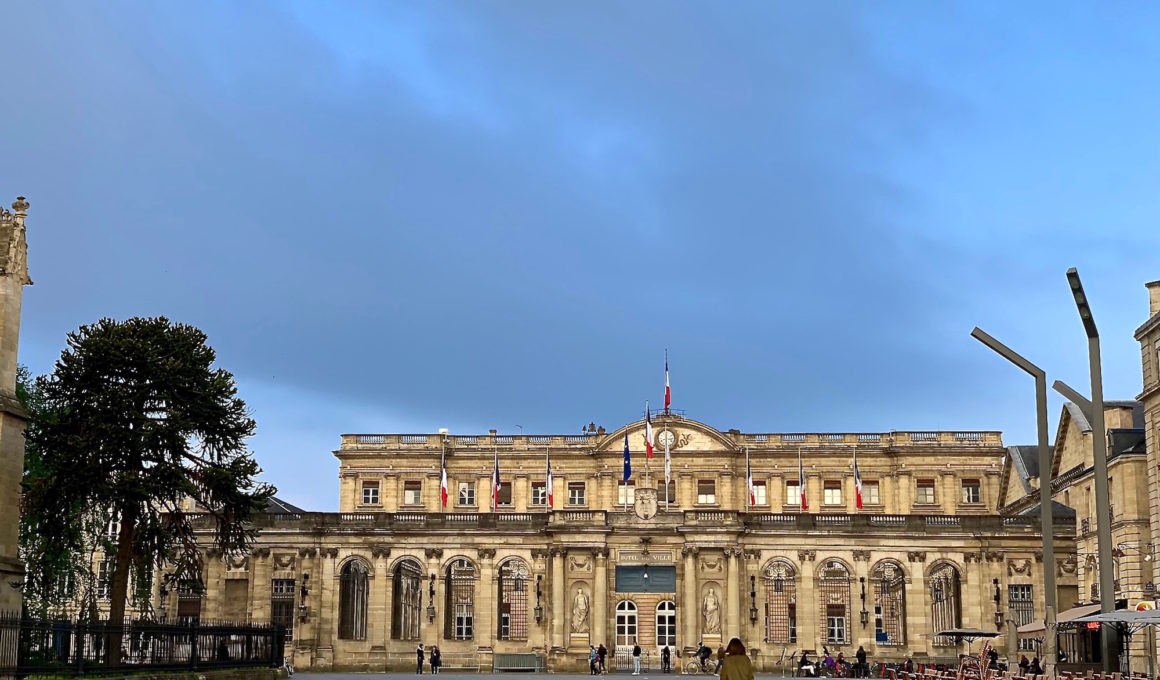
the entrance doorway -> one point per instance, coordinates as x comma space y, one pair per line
667, 627
625, 624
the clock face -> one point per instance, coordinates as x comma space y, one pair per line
665, 439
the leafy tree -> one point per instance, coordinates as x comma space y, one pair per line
133, 422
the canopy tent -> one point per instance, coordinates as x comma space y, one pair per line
968, 634
1128, 623
1069, 616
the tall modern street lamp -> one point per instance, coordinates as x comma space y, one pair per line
1046, 519
1100, 463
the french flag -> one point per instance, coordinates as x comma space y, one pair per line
668, 396
648, 431
802, 481
495, 483
548, 484
443, 483
857, 481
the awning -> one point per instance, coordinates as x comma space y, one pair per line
1130, 621
1035, 628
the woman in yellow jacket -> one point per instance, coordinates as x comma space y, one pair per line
736, 666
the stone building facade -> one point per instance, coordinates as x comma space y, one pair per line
612, 563
13, 278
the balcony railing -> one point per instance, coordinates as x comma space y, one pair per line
535, 521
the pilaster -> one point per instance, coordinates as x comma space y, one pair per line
600, 595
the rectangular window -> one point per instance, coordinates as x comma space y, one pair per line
759, 496
282, 605
113, 529
467, 494
575, 493
412, 493
706, 492
370, 493
626, 493
1019, 599
667, 493
463, 622
504, 497
105, 578
832, 493
870, 494
793, 494
836, 623
539, 493
925, 492
972, 491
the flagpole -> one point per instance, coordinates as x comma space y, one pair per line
443, 474
548, 481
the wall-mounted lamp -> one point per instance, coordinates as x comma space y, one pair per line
753, 599
431, 600
998, 601
164, 603
304, 591
539, 610
863, 615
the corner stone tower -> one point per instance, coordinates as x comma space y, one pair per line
13, 279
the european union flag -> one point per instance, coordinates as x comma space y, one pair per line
627, 460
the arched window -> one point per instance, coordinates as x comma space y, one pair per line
459, 600
834, 601
780, 602
666, 623
625, 623
889, 582
946, 610
406, 600
352, 601
513, 600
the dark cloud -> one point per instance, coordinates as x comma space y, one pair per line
411, 215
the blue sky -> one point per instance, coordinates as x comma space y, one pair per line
395, 217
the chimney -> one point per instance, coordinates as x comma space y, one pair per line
1153, 297
491, 432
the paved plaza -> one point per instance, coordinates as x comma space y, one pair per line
514, 676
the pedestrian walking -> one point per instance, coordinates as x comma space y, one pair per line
721, 657
602, 658
735, 663
436, 659
593, 658
666, 660
635, 657
419, 654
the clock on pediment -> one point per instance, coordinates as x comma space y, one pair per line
671, 439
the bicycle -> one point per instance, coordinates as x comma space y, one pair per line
697, 667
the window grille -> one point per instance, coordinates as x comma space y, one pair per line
459, 621
945, 602
352, 604
406, 600
834, 599
513, 606
889, 604
282, 605
780, 603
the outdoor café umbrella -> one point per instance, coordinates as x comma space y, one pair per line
1127, 622
968, 634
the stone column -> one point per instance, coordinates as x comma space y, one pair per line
807, 608
557, 605
918, 623
600, 597
328, 607
485, 607
261, 567
689, 606
379, 609
950, 494
732, 595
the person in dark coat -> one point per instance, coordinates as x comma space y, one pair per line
666, 660
1036, 668
420, 657
436, 659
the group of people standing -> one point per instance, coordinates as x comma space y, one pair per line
596, 659
732, 661
436, 659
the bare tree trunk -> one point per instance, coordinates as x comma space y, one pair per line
120, 591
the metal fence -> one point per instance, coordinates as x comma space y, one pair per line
63, 647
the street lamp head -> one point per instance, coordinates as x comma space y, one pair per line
1081, 303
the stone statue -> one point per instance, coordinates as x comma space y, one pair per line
712, 612
580, 612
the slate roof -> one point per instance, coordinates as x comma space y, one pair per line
277, 505
1058, 511
1025, 460
1122, 441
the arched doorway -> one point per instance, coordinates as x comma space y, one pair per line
513, 599
946, 609
780, 602
352, 600
889, 583
459, 600
833, 586
406, 599
666, 624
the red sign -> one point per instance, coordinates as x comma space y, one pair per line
1093, 625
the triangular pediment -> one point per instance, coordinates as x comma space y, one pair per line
683, 435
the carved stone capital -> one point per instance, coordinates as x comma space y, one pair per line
969, 557
558, 552
485, 553
330, 552
687, 550
1039, 556
539, 553
380, 551
600, 553
861, 555
807, 555
307, 552
433, 553
995, 556
916, 556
